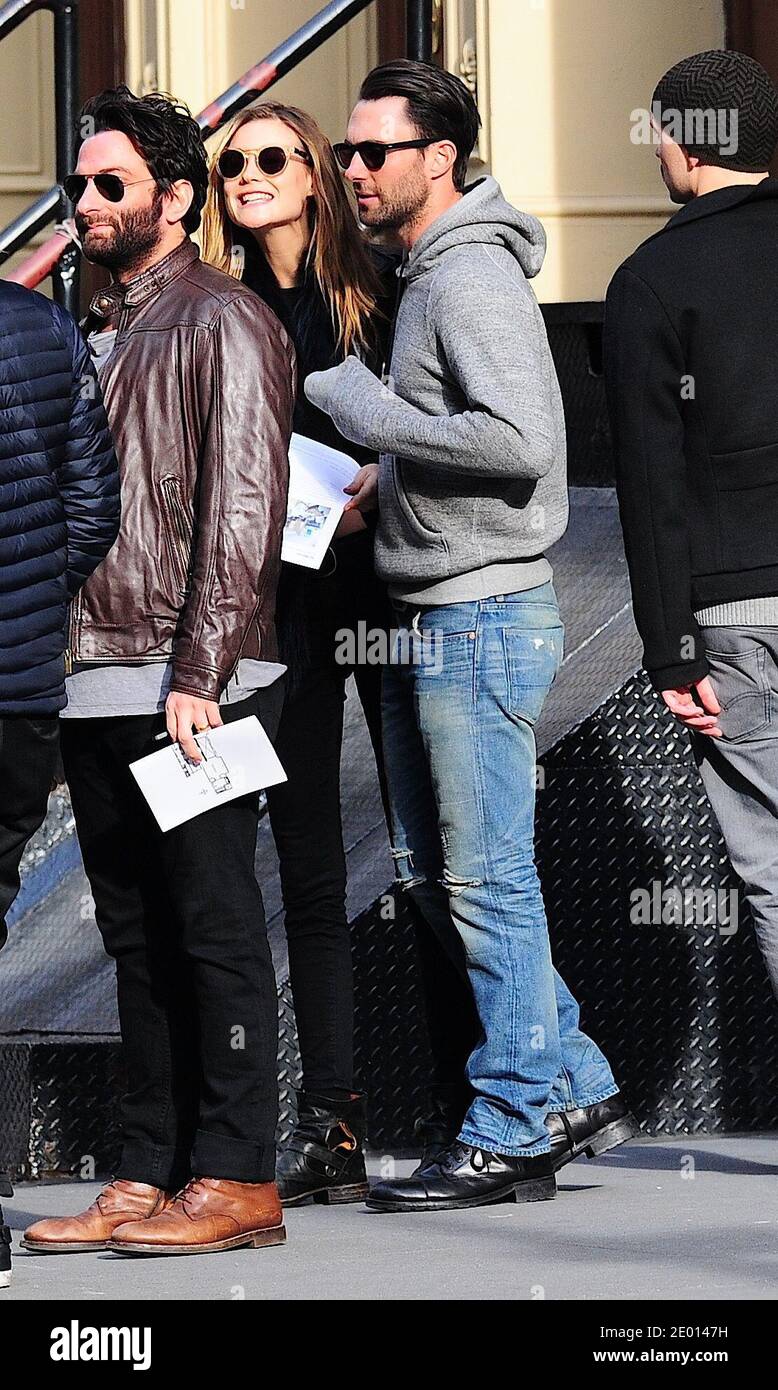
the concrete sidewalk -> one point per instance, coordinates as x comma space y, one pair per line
687, 1218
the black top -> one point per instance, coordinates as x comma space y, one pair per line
691, 347
311, 604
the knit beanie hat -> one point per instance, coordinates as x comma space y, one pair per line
721, 106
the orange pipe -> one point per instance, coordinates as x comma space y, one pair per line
36, 267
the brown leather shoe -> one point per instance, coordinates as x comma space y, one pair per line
208, 1214
119, 1202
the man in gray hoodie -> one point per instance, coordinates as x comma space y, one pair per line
472, 490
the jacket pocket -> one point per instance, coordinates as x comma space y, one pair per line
742, 687
747, 490
178, 532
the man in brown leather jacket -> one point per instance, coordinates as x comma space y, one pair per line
175, 632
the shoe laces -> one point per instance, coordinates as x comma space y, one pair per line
109, 1193
194, 1188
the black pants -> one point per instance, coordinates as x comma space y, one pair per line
181, 914
305, 814
28, 757
306, 823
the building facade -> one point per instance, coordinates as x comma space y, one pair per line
558, 84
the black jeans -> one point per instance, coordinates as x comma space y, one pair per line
181, 914
28, 758
305, 819
305, 814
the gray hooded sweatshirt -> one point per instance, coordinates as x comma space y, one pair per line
470, 429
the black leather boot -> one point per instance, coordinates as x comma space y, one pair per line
6, 1189
323, 1160
592, 1130
5, 1254
462, 1176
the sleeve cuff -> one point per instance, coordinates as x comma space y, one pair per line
673, 677
200, 681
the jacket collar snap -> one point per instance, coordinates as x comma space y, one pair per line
108, 301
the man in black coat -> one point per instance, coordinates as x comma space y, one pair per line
691, 364
59, 516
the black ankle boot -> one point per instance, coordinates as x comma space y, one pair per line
323, 1159
6, 1188
463, 1176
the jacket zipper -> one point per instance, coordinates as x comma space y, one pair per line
70, 650
180, 538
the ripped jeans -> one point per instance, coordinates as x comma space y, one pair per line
462, 693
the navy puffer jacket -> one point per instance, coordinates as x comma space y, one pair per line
59, 493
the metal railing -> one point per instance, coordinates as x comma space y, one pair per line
59, 254
52, 205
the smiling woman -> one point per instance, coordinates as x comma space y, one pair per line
278, 216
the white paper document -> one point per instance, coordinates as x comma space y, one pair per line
237, 758
317, 477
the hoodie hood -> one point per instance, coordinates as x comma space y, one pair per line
484, 217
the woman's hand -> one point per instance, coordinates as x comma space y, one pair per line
363, 490
185, 712
349, 524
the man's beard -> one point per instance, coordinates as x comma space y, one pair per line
399, 209
134, 237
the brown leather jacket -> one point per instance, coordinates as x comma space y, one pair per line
199, 391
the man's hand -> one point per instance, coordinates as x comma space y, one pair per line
700, 713
185, 712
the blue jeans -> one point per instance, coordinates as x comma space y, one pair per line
462, 693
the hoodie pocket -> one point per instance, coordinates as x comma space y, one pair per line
419, 530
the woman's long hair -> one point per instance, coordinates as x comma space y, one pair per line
337, 256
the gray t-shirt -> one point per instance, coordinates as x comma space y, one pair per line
101, 690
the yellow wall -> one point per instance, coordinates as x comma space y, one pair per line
564, 77
558, 80
203, 46
27, 128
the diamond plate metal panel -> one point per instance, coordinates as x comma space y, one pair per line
684, 1012
59, 1100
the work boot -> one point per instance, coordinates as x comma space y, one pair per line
323, 1159
92, 1229
208, 1214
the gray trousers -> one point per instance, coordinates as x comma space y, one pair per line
740, 770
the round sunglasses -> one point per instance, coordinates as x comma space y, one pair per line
373, 153
271, 160
109, 186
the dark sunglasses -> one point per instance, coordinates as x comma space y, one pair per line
271, 160
109, 186
373, 153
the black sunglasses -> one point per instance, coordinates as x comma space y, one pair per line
109, 186
271, 160
373, 153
